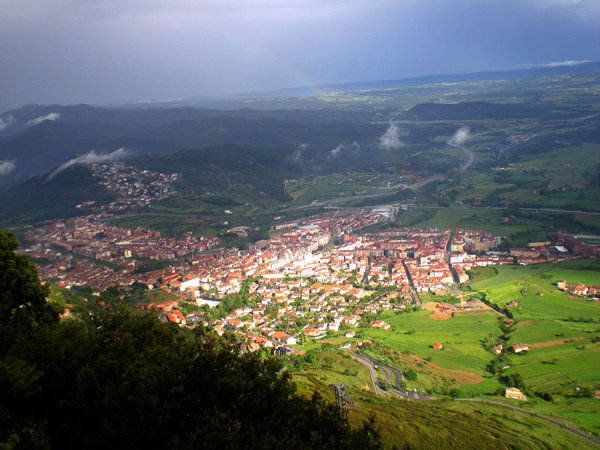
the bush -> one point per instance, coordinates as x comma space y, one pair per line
410, 375
121, 379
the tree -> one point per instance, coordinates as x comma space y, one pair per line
120, 378
513, 210
516, 380
23, 302
23, 308
410, 375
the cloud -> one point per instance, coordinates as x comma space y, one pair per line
461, 136
390, 140
297, 155
91, 158
333, 154
549, 3
6, 122
6, 167
560, 63
51, 116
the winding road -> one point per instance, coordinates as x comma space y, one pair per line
393, 377
470, 154
372, 372
419, 184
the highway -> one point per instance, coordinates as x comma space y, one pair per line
419, 184
393, 377
470, 154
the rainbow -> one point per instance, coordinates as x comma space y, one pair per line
249, 44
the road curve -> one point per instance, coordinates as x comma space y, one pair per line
402, 393
372, 372
389, 373
470, 154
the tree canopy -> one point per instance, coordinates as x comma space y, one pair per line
22, 296
118, 378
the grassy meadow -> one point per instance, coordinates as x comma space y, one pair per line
564, 360
443, 423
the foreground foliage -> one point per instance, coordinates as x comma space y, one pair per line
123, 380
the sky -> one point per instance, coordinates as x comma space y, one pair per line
113, 51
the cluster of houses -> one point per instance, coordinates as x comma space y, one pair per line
73, 248
94, 237
132, 187
315, 276
593, 292
563, 247
302, 289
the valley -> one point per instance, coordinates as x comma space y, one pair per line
434, 252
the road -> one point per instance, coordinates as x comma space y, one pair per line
501, 208
470, 154
566, 427
332, 201
397, 390
452, 271
392, 376
413, 292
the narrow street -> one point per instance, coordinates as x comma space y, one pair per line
413, 291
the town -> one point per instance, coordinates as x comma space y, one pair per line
312, 277
130, 186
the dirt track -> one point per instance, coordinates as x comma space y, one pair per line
437, 314
462, 378
556, 342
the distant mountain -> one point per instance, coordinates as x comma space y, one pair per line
36, 138
534, 72
80, 129
218, 168
31, 116
41, 148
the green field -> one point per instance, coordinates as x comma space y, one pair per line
561, 329
461, 337
440, 424
324, 187
159, 296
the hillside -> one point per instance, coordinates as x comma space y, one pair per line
39, 198
166, 386
40, 148
443, 424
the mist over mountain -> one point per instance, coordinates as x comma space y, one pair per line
81, 129
36, 138
363, 129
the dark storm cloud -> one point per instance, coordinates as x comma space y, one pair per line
101, 51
